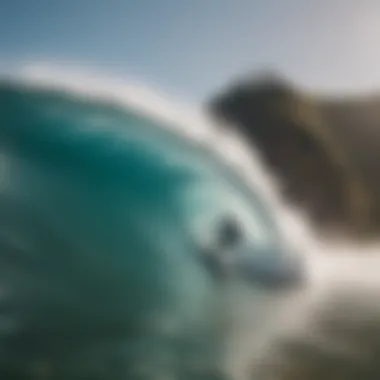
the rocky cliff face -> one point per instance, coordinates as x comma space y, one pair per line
326, 161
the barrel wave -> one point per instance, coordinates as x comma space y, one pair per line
120, 242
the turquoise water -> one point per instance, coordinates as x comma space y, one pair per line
105, 216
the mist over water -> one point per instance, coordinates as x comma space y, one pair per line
332, 266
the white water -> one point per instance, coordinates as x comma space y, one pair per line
340, 265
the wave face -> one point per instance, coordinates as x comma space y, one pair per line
106, 218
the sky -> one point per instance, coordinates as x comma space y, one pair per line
191, 48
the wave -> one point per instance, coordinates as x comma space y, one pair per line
189, 121
342, 264
192, 123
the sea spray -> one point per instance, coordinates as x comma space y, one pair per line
195, 126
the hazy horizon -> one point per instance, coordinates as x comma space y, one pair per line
192, 48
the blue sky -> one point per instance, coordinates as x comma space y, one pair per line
192, 47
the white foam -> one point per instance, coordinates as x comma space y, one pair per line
329, 265
189, 120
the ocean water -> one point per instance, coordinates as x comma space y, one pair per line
108, 194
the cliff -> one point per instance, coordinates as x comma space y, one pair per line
324, 150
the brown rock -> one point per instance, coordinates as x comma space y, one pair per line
303, 141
